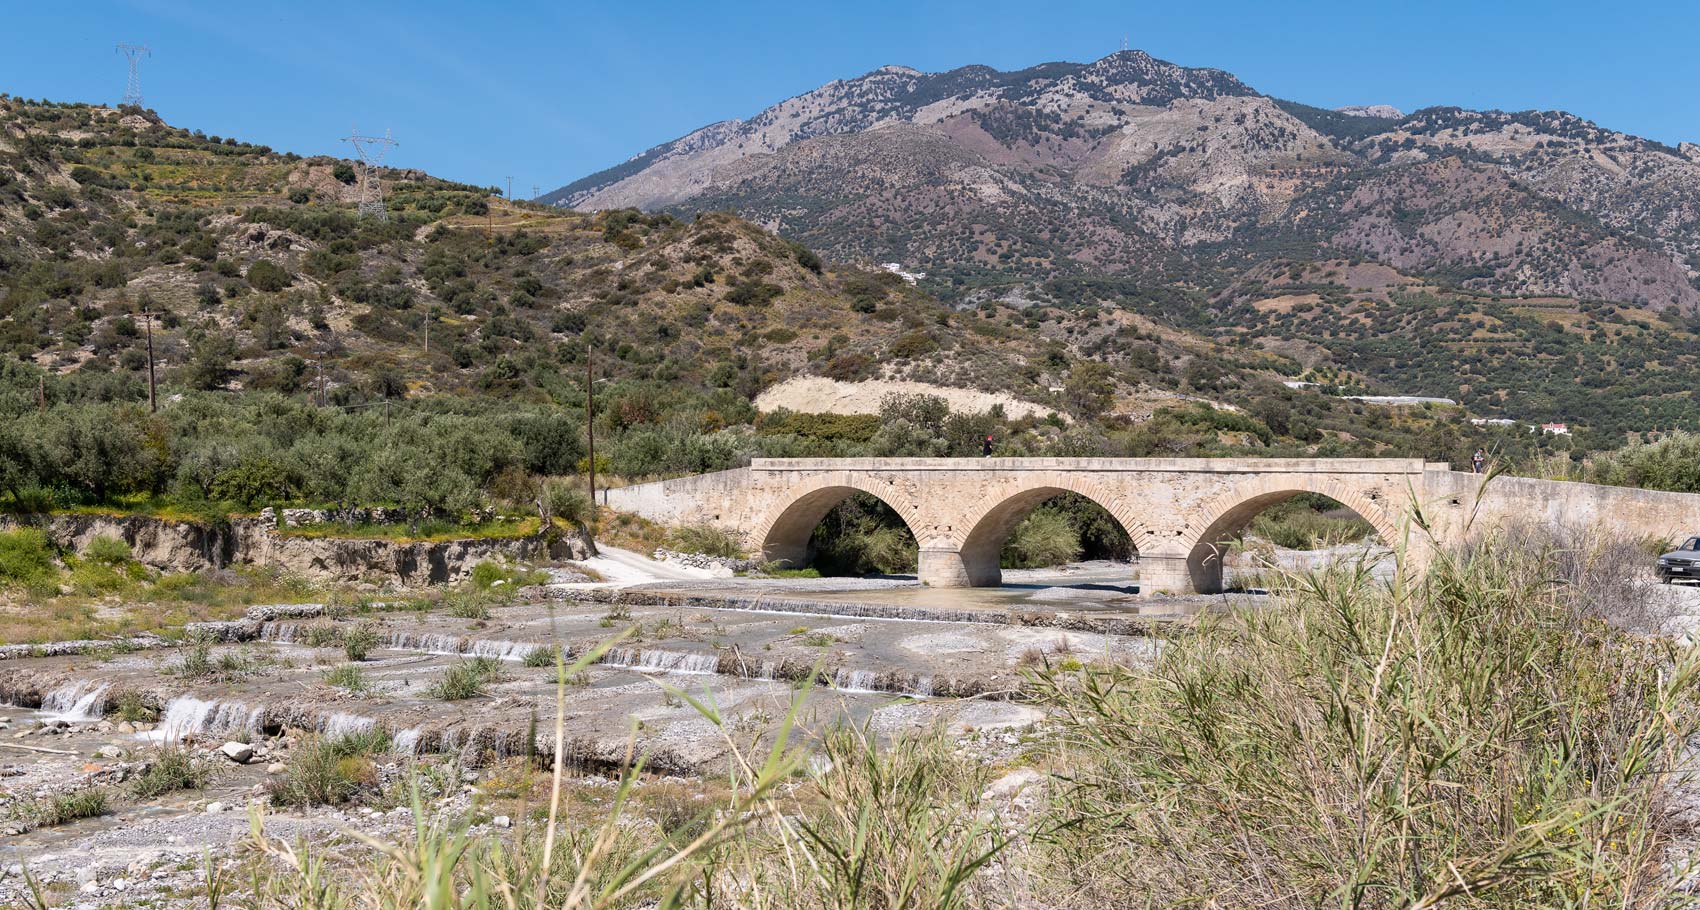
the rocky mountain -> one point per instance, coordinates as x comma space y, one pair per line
1147, 172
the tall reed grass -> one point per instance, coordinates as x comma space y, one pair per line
1503, 731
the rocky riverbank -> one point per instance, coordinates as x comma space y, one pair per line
186, 546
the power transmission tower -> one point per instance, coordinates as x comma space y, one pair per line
535, 192
134, 53
371, 150
510, 194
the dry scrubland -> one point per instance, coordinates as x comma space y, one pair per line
1507, 731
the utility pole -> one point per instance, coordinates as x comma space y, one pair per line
133, 90
510, 196
41, 393
320, 363
153, 395
590, 420
535, 192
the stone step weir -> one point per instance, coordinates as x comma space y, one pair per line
83, 646
1099, 623
727, 662
210, 719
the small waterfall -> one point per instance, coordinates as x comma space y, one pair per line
341, 724
656, 661
501, 650
405, 742
767, 670
189, 716
76, 702
283, 633
923, 687
452, 646
853, 680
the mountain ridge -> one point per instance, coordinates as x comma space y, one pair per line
1142, 169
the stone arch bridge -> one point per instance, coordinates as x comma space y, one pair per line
1177, 511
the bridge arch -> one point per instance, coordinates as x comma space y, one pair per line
782, 535
1227, 515
981, 546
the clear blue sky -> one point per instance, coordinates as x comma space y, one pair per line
548, 92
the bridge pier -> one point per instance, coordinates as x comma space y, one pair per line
945, 567
1165, 574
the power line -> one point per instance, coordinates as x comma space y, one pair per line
371, 150
134, 53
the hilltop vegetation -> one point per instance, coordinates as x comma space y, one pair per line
438, 360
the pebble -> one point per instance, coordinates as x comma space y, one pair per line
90, 887
240, 753
276, 767
215, 808
502, 821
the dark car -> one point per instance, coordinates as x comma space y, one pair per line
1682, 562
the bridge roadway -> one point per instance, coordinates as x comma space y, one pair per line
1177, 511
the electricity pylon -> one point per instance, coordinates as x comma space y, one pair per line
371, 150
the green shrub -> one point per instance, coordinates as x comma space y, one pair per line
26, 558
1309, 521
541, 657
347, 676
107, 550
322, 635
487, 575
359, 640
467, 605
467, 678
1045, 538
324, 772
706, 539
69, 807
133, 708
1670, 463
170, 768
95, 578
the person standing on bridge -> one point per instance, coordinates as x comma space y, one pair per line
1477, 461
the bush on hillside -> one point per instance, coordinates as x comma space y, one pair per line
1670, 463
266, 275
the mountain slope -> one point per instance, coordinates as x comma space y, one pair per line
1134, 167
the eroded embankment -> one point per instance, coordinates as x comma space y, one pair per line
185, 546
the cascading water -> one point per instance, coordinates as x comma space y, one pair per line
186, 715
451, 646
923, 687
405, 742
655, 661
340, 724
853, 680
79, 701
